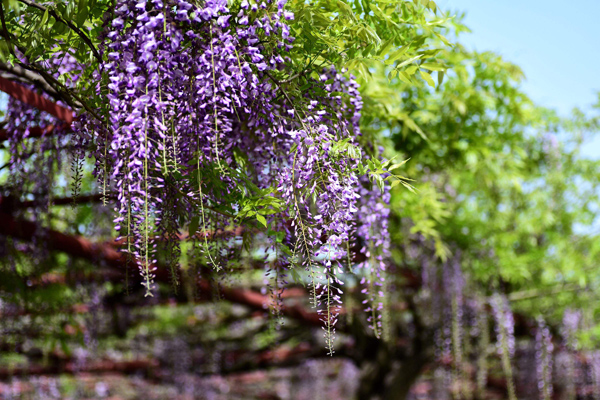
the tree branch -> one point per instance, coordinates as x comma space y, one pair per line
15, 71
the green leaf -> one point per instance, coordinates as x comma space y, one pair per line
194, 223
396, 54
415, 58
70, 9
427, 78
82, 14
404, 77
385, 47
280, 236
443, 39
44, 18
345, 8
411, 70
295, 276
398, 165
433, 67
379, 181
432, 6
392, 74
261, 219
408, 186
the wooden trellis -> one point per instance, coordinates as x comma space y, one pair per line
33, 99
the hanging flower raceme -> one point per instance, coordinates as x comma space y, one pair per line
544, 359
570, 328
373, 213
505, 336
199, 131
24, 121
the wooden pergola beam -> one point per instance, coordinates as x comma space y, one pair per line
125, 367
36, 100
104, 253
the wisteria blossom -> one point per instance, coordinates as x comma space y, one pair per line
505, 336
544, 359
200, 133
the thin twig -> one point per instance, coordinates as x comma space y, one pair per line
535, 293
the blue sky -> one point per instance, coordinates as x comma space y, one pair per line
556, 43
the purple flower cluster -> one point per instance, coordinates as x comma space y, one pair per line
595, 373
181, 80
373, 231
35, 163
544, 359
570, 327
21, 119
505, 324
321, 189
192, 91
505, 336
198, 126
